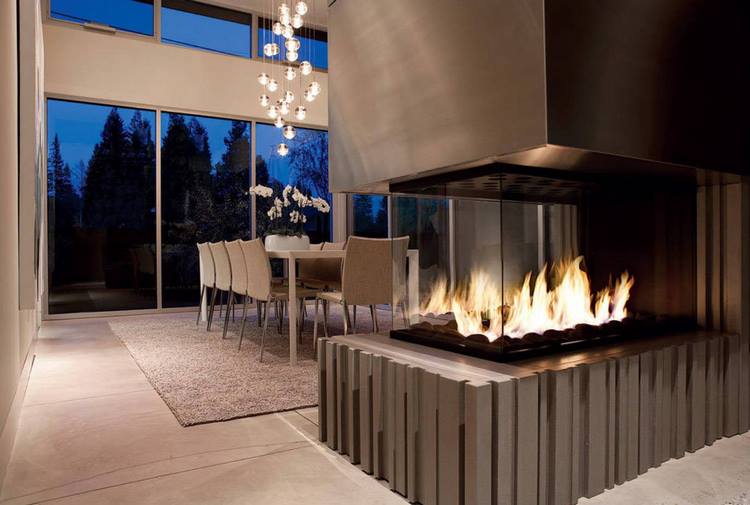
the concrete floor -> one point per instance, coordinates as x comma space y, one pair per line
93, 431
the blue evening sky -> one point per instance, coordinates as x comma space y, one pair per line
203, 32
217, 130
79, 127
130, 15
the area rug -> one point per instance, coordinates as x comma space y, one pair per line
203, 378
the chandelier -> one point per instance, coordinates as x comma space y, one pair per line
293, 79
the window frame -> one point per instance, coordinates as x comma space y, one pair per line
158, 132
111, 30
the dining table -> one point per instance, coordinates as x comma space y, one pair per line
290, 258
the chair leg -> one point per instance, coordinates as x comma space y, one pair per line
302, 311
346, 319
403, 313
234, 306
315, 326
200, 305
374, 314
263, 335
244, 320
226, 314
221, 302
325, 318
259, 308
211, 310
354, 319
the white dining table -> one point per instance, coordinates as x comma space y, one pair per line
291, 257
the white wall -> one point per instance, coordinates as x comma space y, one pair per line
141, 71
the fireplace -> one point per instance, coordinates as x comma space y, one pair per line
517, 261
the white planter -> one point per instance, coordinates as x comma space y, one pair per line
287, 243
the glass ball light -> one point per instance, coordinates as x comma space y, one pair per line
263, 78
265, 100
282, 149
279, 123
278, 28
301, 8
315, 88
289, 132
284, 9
300, 113
288, 96
309, 96
272, 85
271, 49
292, 55
288, 32
306, 68
283, 108
286, 20
273, 111
297, 21
292, 44
290, 73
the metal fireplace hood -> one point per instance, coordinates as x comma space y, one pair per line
640, 87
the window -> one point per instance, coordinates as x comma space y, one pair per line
369, 216
136, 16
205, 167
101, 207
306, 167
192, 24
314, 44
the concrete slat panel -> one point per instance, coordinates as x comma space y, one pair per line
633, 415
331, 400
342, 388
596, 432
696, 388
504, 457
527, 442
478, 443
450, 450
399, 441
352, 406
322, 393
562, 439
365, 411
427, 439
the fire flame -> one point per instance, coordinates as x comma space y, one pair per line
477, 304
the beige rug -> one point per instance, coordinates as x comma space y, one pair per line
203, 378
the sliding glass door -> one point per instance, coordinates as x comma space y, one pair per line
101, 208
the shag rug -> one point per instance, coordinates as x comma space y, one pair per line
203, 378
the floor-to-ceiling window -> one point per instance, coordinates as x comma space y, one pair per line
101, 207
305, 166
205, 177
369, 216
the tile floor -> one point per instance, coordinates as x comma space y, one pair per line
93, 431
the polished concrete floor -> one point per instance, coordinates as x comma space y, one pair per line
93, 431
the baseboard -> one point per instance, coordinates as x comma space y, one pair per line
9, 429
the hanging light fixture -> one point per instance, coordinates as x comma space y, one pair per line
315, 88
297, 21
272, 85
300, 112
306, 68
289, 132
288, 96
271, 49
300, 8
288, 31
292, 56
265, 100
279, 122
278, 28
282, 149
290, 73
263, 78
309, 96
283, 107
273, 111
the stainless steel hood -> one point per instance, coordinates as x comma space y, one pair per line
424, 87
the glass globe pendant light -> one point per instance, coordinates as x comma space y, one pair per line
290, 73
278, 28
288, 32
279, 122
300, 112
271, 49
273, 111
284, 9
315, 88
292, 44
285, 19
289, 132
282, 149
263, 78
283, 108
292, 55
288, 96
300, 8
272, 85
306, 68
297, 21
309, 96
265, 100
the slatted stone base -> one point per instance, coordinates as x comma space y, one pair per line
467, 431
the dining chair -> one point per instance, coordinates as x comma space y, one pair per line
370, 268
209, 276
260, 287
239, 277
223, 281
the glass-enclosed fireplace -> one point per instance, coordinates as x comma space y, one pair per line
516, 262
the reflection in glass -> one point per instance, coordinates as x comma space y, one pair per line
370, 216
135, 16
205, 166
304, 166
101, 208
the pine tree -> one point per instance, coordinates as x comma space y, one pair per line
139, 186
363, 222
380, 227
63, 210
232, 180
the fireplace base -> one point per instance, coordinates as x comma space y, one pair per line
553, 428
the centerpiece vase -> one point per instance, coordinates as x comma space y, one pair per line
287, 243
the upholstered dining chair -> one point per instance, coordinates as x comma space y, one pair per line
371, 266
209, 276
223, 281
239, 276
261, 288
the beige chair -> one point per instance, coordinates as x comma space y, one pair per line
239, 275
222, 283
370, 268
209, 275
322, 273
260, 287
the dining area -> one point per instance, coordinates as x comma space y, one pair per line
366, 276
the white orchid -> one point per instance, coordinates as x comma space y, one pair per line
288, 189
321, 205
262, 191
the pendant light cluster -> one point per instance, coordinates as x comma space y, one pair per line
292, 75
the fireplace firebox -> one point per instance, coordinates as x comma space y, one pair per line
517, 261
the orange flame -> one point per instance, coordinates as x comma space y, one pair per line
477, 304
